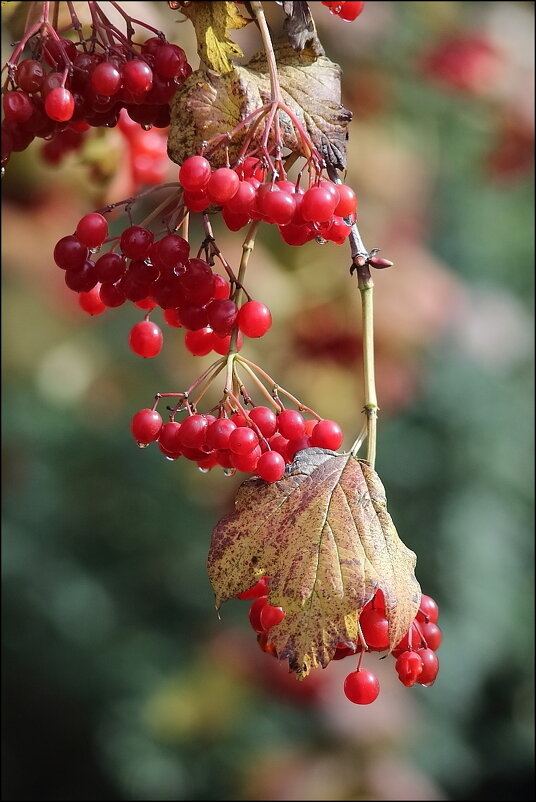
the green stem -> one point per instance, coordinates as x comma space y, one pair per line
366, 288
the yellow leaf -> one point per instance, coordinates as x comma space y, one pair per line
324, 536
211, 21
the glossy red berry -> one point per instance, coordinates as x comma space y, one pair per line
194, 431
136, 242
70, 253
17, 106
318, 205
106, 79
260, 588
218, 433
291, 424
347, 204
350, 11
327, 434
246, 462
59, 104
146, 425
271, 466
254, 319
92, 230
430, 668
169, 437
361, 687
428, 610
194, 173
271, 616
222, 185
375, 628
432, 635
243, 440
91, 302
137, 76
265, 419
146, 339
255, 613
199, 343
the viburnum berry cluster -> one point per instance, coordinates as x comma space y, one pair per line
57, 87
416, 662
272, 166
239, 436
348, 12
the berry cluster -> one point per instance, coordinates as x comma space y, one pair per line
256, 441
346, 11
64, 83
415, 655
324, 210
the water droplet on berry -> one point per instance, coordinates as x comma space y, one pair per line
229, 471
203, 470
147, 127
142, 445
320, 240
170, 459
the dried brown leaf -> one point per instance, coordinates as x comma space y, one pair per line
324, 536
208, 105
299, 25
211, 21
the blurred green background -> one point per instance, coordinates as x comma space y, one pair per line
119, 680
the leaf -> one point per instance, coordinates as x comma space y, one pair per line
211, 21
324, 536
299, 25
208, 105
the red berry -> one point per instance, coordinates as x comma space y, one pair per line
30, 74
59, 104
271, 616
221, 287
432, 635
112, 295
172, 251
280, 444
361, 687
218, 434
193, 431
169, 437
244, 198
260, 588
146, 425
430, 666
169, 61
375, 628
327, 434
194, 173
265, 419
137, 77
299, 444
271, 466
172, 318
110, 267
146, 339
291, 424
255, 613
222, 316
254, 319
222, 185
221, 345
318, 205
17, 106
428, 610
106, 79
92, 230
135, 242
347, 204
243, 440
350, 11
91, 302
232, 219
409, 666
246, 462
199, 343
278, 207
82, 279
70, 253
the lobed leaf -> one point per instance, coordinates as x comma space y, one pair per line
211, 22
208, 104
324, 536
